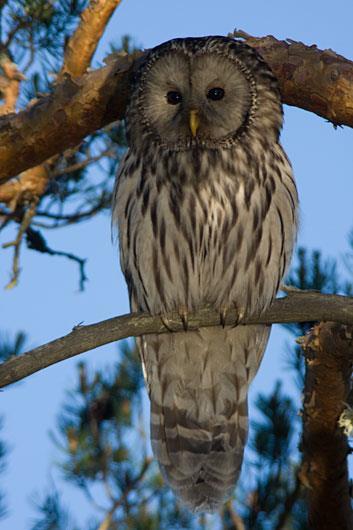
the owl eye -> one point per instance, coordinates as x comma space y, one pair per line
174, 97
215, 93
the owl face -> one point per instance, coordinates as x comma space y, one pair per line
196, 98
202, 92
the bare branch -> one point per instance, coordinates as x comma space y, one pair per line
296, 307
316, 80
16, 244
329, 354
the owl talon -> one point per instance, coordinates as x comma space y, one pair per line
223, 316
166, 323
184, 317
240, 313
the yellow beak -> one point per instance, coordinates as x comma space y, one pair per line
194, 122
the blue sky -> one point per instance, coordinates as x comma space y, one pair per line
47, 304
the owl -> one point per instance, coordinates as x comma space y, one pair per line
206, 208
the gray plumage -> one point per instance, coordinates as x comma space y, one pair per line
206, 207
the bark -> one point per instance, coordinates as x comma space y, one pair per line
298, 306
329, 354
317, 80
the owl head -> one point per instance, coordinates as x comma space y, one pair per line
203, 91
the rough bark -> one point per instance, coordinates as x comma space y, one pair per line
317, 80
329, 354
298, 306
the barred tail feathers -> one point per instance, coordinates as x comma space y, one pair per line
198, 383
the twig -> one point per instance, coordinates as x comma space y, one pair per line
26, 221
84, 163
105, 524
237, 521
35, 241
303, 307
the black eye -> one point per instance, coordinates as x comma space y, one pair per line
174, 97
215, 93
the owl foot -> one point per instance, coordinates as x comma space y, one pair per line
183, 314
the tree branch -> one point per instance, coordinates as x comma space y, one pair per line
320, 81
77, 58
329, 354
316, 80
298, 306
61, 120
83, 43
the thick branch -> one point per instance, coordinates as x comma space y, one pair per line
298, 306
319, 81
316, 80
75, 109
329, 355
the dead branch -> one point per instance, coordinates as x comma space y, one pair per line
297, 306
329, 354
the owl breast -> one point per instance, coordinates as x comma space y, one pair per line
208, 228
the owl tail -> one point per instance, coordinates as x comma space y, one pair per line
198, 383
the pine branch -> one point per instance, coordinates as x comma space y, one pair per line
329, 354
297, 306
77, 107
319, 81
78, 54
83, 43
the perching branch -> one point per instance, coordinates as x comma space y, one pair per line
317, 80
297, 306
329, 355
